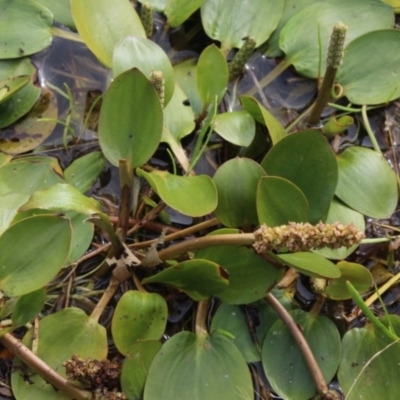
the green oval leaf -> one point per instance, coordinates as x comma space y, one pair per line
279, 202
237, 127
284, 364
191, 195
125, 131
356, 274
138, 315
22, 270
311, 264
236, 182
212, 75
11, 85
217, 370
299, 38
199, 279
371, 80
146, 56
369, 364
102, 24
25, 28
28, 306
306, 159
229, 21
178, 11
366, 182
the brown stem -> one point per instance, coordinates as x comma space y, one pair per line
309, 358
235, 239
107, 295
44, 370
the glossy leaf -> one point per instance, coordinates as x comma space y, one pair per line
263, 116
61, 10
145, 55
19, 179
22, 271
138, 315
102, 25
205, 367
9, 86
232, 319
83, 172
136, 365
28, 306
237, 127
198, 278
299, 38
61, 197
284, 364
279, 202
229, 21
212, 75
25, 28
178, 11
30, 132
125, 131
311, 264
373, 183
86, 339
251, 277
236, 181
369, 365
371, 80
358, 275
190, 195
340, 212
306, 159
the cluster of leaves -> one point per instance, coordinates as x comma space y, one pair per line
47, 223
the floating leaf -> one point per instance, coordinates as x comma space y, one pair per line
357, 274
86, 339
236, 182
251, 277
136, 366
61, 197
237, 127
61, 10
25, 28
205, 367
199, 279
138, 315
229, 21
178, 11
306, 159
299, 38
146, 56
125, 131
19, 179
102, 25
373, 183
22, 270
84, 171
28, 306
369, 365
232, 319
9, 86
263, 116
158, 5
30, 132
284, 364
212, 75
311, 264
279, 202
191, 195
371, 80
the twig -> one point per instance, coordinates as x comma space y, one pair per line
44, 370
309, 358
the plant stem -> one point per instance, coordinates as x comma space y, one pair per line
234, 239
43, 369
107, 296
309, 358
369, 129
201, 316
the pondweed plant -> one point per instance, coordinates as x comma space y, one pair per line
290, 214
